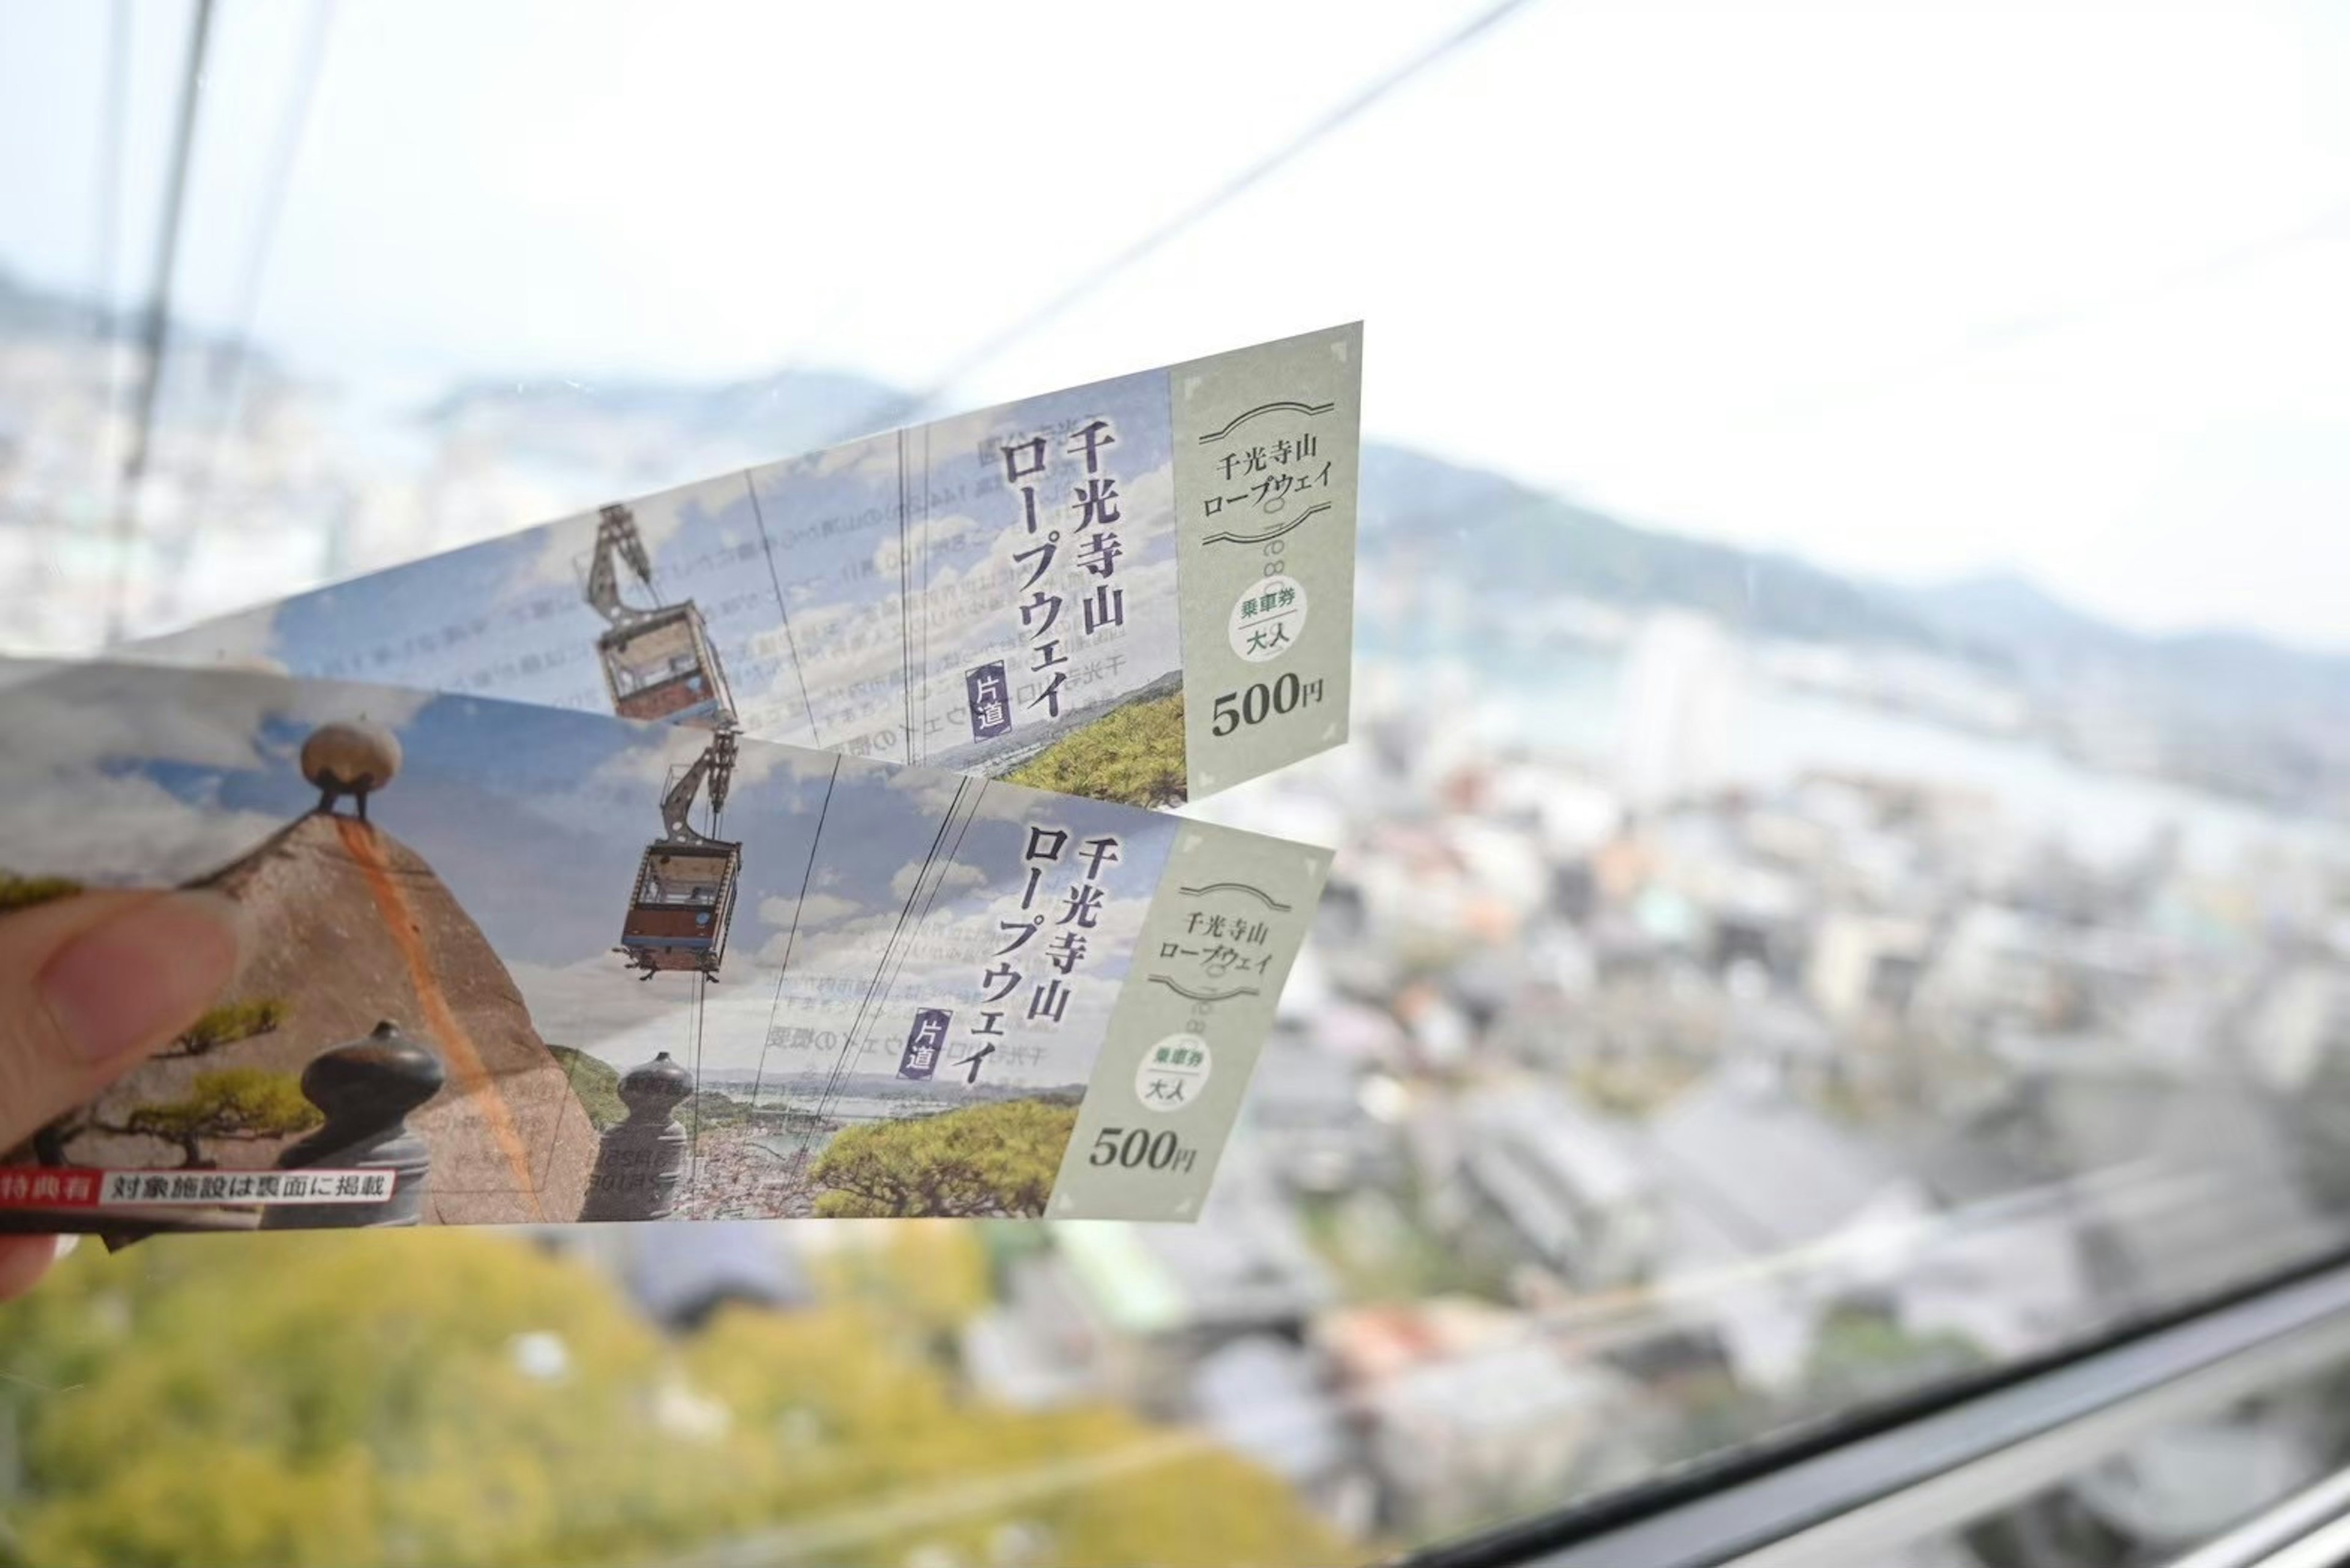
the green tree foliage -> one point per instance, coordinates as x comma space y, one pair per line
997, 1159
1134, 755
23, 892
349, 1399
240, 1103
932, 1276
230, 1022
596, 1084
1089, 1485
1864, 1356
712, 1108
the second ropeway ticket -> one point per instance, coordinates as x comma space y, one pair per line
510, 963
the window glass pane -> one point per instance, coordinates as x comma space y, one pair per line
679, 878
1844, 861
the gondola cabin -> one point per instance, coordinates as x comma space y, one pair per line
661, 665
684, 897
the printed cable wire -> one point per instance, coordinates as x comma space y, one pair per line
791, 937
843, 1063
930, 901
844, 1058
701, 998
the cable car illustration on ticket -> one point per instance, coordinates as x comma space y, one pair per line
659, 663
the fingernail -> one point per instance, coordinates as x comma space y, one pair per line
65, 1244
143, 974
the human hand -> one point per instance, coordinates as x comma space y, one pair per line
89, 986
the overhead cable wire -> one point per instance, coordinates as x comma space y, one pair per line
1239, 184
2330, 223
106, 240
293, 130
156, 333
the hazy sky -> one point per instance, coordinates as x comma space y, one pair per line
1905, 288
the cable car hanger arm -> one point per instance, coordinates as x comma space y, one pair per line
715, 768
617, 539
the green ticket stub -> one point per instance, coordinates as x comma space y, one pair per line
1140, 590
1213, 952
1265, 462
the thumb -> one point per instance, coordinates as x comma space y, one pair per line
91, 985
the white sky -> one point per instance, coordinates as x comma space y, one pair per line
1908, 289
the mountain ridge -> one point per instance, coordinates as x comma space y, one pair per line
1425, 514
1402, 486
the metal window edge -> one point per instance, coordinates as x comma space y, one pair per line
1745, 1502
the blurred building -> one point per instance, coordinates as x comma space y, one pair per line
1682, 698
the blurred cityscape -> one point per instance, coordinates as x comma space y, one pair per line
1743, 997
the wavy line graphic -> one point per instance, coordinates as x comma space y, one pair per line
1297, 521
1186, 992
1269, 900
1240, 419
